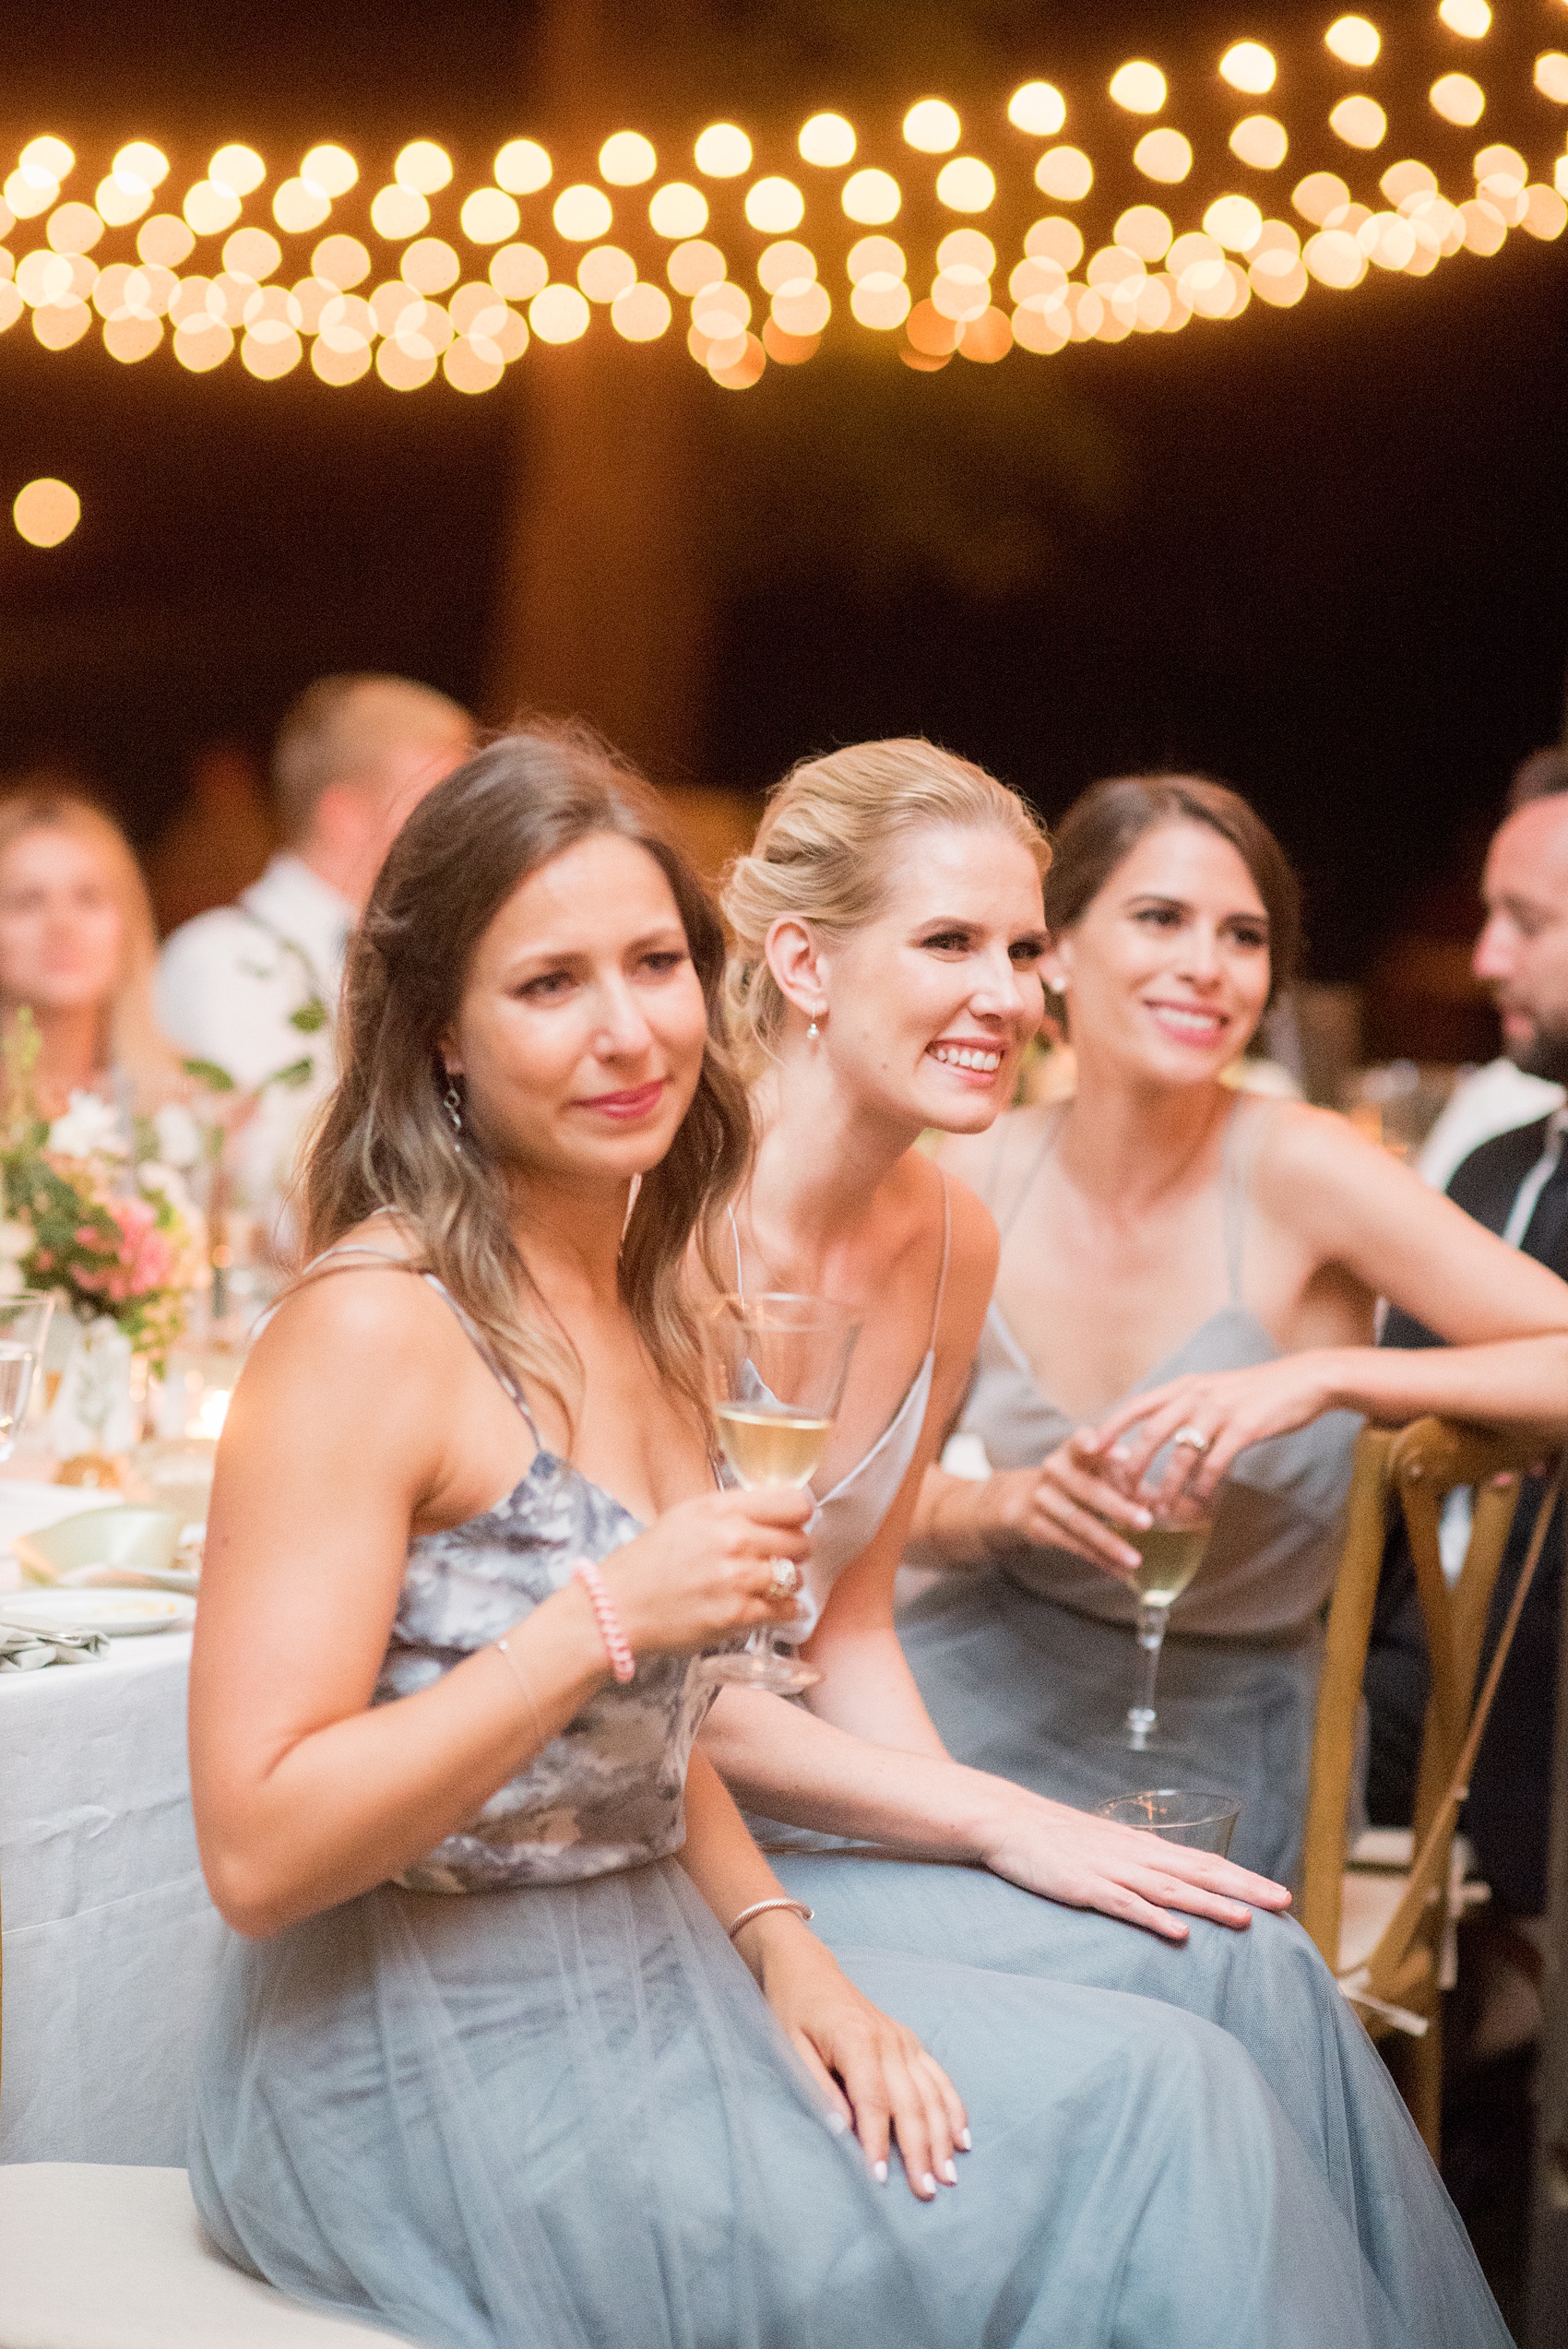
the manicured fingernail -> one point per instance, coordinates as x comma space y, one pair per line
966, 2141
879, 2171
949, 2173
928, 2185
837, 2124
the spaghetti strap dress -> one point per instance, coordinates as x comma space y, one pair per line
527, 2096
1029, 1665
1267, 1987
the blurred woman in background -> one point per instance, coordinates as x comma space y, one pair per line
76, 952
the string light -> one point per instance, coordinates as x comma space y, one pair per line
469, 318
46, 512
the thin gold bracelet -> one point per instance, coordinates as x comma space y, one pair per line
517, 1670
797, 1908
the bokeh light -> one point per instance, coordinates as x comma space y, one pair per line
50, 156
1249, 66
75, 228
1038, 108
788, 263
871, 197
606, 273
694, 265
1458, 100
46, 512
239, 168
679, 210
490, 216
1064, 172
299, 206
581, 213
1055, 238
522, 167
1354, 40
121, 197
826, 140
333, 169
1163, 155
1261, 142
966, 184
1318, 194
1359, 122
423, 166
210, 206
341, 261
431, 266
775, 206
932, 127
1470, 19
165, 240
723, 151
1139, 87
518, 271
1143, 228
642, 314
251, 252
398, 212
626, 159
1552, 75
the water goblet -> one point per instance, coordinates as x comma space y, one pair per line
780, 1363
24, 1326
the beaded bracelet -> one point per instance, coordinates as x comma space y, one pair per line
623, 1663
796, 1908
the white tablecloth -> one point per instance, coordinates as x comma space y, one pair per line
110, 1940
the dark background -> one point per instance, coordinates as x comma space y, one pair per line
1319, 552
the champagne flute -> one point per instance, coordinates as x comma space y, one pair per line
780, 1363
24, 1325
1170, 1553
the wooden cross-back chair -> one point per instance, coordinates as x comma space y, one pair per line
1384, 1923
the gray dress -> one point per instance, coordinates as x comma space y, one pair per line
1028, 1667
531, 2098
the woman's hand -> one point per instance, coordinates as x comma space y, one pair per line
876, 2073
705, 1570
1230, 1409
1085, 1862
1067, 1502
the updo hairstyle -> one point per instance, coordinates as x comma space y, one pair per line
1105, 824
824, 851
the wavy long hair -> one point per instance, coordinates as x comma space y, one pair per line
383, 1140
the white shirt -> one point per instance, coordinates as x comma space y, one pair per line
238, 987
1494, 1100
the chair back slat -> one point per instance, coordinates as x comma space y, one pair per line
1339, 1691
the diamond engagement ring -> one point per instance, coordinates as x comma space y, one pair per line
1190, 1439
786, 1579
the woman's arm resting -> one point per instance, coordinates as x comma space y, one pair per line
781, 1761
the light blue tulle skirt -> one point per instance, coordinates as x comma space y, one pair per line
562, 2118
1266, 1987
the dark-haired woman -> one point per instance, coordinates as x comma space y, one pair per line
1188, 1277
523, 2043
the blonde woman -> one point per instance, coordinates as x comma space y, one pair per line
76, 951
522, 2042
889, 939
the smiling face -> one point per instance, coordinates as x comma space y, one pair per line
930, 1006
1166, 971
1522, 953
62, 927
582, 1027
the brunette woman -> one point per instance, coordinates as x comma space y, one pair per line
522, 2041
889, 936
1189, 1274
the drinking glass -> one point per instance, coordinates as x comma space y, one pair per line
780, 1363
1204, 1822
1170, 1553
24, 1325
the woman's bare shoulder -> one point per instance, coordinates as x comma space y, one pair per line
357, 1307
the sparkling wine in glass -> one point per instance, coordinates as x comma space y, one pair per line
24, 1325
1170, 1553
780, 1363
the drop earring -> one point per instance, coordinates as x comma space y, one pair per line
813, 1033
452, 1102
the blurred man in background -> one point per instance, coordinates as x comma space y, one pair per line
1509, 1091
251, 987
1517, 1184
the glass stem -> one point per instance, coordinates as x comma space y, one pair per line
1152, 1620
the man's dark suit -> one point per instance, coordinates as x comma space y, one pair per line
1506, 1818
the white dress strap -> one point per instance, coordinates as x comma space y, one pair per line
486, 1353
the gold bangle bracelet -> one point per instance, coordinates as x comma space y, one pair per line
796, 1908
516, 1671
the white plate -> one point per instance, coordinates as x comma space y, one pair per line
120, 1615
